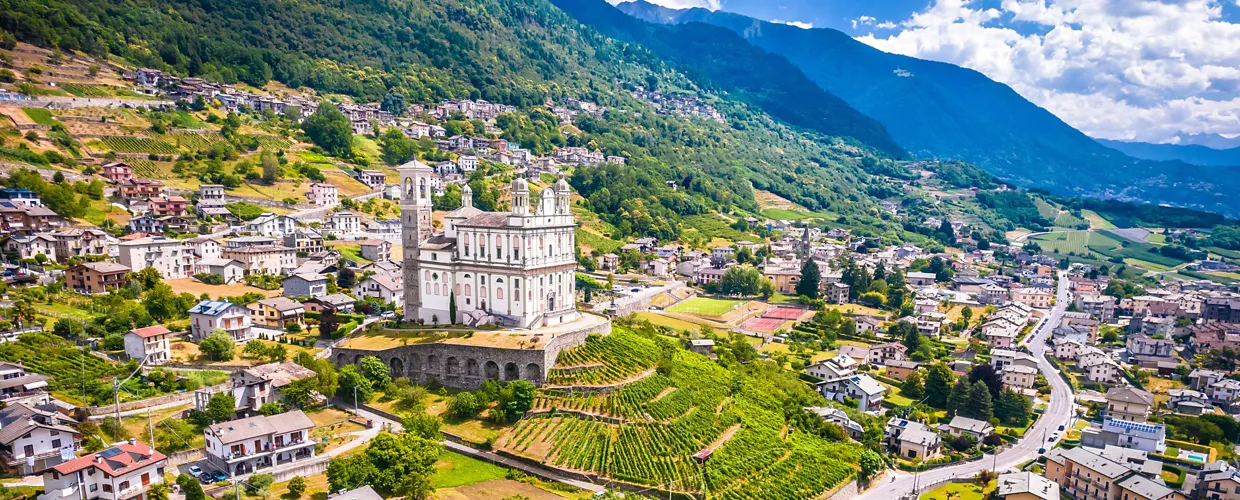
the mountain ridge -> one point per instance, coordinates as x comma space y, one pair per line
939, 110
1195, 154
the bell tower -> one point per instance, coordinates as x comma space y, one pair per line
415, 217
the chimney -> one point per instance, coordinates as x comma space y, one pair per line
133, 441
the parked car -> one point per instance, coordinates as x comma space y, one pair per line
195, 470
219, 475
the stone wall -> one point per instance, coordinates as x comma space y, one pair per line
108, 410
467, 366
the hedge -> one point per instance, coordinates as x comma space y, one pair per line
1179, 481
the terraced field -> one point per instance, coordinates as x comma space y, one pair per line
699, 427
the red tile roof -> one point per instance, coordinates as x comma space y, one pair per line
114, 461
150, 331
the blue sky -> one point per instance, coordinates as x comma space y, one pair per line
1118, 69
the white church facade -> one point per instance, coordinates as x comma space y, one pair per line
512, 269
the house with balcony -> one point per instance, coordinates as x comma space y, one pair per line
322, 194
1129, 403
385, 287
1026, 486
168, 256
33, 438
137, 188
977, 429
912, 439
210, 315
1218, 481
861, 388
17, 384
271, 225
1145, 345
122, 472
117, 172
151, 343
1189, 402
305, 285
260, 442
253, 387
278, 312
1147, 437
376, 250
96, 277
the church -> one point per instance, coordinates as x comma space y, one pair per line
511, 269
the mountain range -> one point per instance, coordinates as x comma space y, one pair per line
938, 110
1195, 154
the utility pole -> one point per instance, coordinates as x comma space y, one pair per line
150, 425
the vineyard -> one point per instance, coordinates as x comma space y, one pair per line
143, 167
272, 142
195, 141
139, 145
81, 90
599, 362
648, 432
58, 358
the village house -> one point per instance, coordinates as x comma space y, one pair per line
1086, 473
1189, 402
305, 285
1020, 376
1129, 403
263, 259
251, 388
96, 277
900, 369
920, 279
231, 270
964, 426
35, 437
277, 312
881, 353
1218, 480
376, 250
342, 224
17, 384
386, 288
1150, 438
1067, 349
151, 343
322, 194
21, 219
271, 225
124, 471
912, 440
210, 315
1026, 486
117, 172
336, 302
1224, 392
260, 442
863, 389
1037, 298
1101, 369
832, 368
840, 418
168, 205
836, 293
372, 178
141, 189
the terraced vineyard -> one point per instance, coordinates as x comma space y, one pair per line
597, 363
58, 358
139, 145
272, 142
650, 431
195, 141
143, 167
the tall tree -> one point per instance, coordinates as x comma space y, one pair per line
810, 279
979, 403
912, 387
959, 398
330, 129
986, 374
938, 385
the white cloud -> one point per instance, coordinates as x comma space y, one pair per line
798, 24
863, 21
886, 25
1124, 69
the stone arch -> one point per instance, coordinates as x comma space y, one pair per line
533, 373
357, 358
511, 372
471, 367
397, 367
492, 370
432, 363
340, 359
452, 367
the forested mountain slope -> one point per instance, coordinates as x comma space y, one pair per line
1187, 153
940, 110
520, 52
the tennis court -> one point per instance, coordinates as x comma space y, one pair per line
763, 324
784, 313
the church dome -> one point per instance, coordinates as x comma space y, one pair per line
548, 192
562, 185
520, 186
466, 190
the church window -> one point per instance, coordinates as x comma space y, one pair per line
428, 288
499, 294
467, 289
482, 291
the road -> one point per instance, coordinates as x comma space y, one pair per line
1058, 413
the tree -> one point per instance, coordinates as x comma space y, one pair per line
351, 379
222, 407
810, 278
157, 491
979, 405
347, 278
464, 405
296, 486
423, 425
986, 374
278, 353
218, 346
394, 103
375, 371
330, 129
1014, 408
254, 349
271, 167
871, 463
958, 400
912, 338
346, 473
521, 400
912, 387
741, 280
260, 483
938, 385
191, 488
270, 409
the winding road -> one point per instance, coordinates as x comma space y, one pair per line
1058, 413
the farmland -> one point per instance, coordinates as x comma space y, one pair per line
138, 145
654, 427
603, 360
1078, 242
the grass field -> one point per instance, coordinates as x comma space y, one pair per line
960, 491
1079, 242
40, 116
454, 469
1096, 221
715, 226
215, 291
706, 306
788, 214
590, 240
673, 323
498, 489
1145, 264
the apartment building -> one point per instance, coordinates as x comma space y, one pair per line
385, 287
263, 259
260, 442
33, 438
376, 250
1091, 474
96, 277
122, 472
323, 195
1037, 298
1129, 403
168, 256
278, 312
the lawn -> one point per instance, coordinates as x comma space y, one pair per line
960, 491
673, 323
858, 310
1096, 221
349, 251
40, 116
1145, 264
893, 395
335, 419
787, 214
454, 469
475, 431
706, 306
1079, 242
316, 488
590, 240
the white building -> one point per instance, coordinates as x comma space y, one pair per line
387, 288
121, 472
323, 195
168, 256
271, 225
514, 269
260, 442
866, 391
210, 315
342, 224
151, 343
33, 438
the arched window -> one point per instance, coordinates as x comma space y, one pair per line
436, 288
499, 293
428, 288
458, 288
426, 275
483, 292
467, 290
